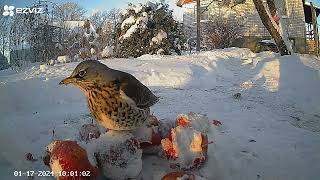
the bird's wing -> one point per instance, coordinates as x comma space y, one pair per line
138, 92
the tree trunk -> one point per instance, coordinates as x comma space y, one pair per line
266, 18
315, 28
198, 25
272, 7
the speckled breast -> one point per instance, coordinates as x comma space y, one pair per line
114, 112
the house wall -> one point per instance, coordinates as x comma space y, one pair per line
252, 27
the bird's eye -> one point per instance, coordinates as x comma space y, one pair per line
82, 73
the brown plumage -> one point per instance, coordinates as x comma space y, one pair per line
116, 99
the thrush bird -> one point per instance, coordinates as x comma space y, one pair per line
116, 99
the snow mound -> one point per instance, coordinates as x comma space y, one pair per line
107, 52
117, 154
63, 59
43, 68
227, 53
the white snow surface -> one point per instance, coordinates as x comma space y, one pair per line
271, 132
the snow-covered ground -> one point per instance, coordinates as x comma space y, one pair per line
271, 132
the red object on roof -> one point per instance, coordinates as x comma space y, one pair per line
276, 19
180, 3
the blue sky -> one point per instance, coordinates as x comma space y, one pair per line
95, 5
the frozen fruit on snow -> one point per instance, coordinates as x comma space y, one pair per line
186, 146
149, 136
117, 154
88, 132
179, 175
198, 121
67, 156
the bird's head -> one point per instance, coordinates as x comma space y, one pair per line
89, 73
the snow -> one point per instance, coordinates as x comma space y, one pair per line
88, 132
272, 132
124, 11
187, 142
43, 68
129, 32
143, 134
142, 20
63, 59
199, 122
107, 52
73, 24
130, 20
268, 41
138, 8
160, 51
141, 23
186, 177
118, 156
158, 38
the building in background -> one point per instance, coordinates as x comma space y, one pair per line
296, 15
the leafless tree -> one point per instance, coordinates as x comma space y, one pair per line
69, 11
4, 41
220, 33
105, 23
4, 35
99, 18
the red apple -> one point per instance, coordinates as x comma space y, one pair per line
67, 156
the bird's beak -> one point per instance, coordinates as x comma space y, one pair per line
68, 80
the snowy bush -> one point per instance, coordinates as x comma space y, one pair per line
148, 29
